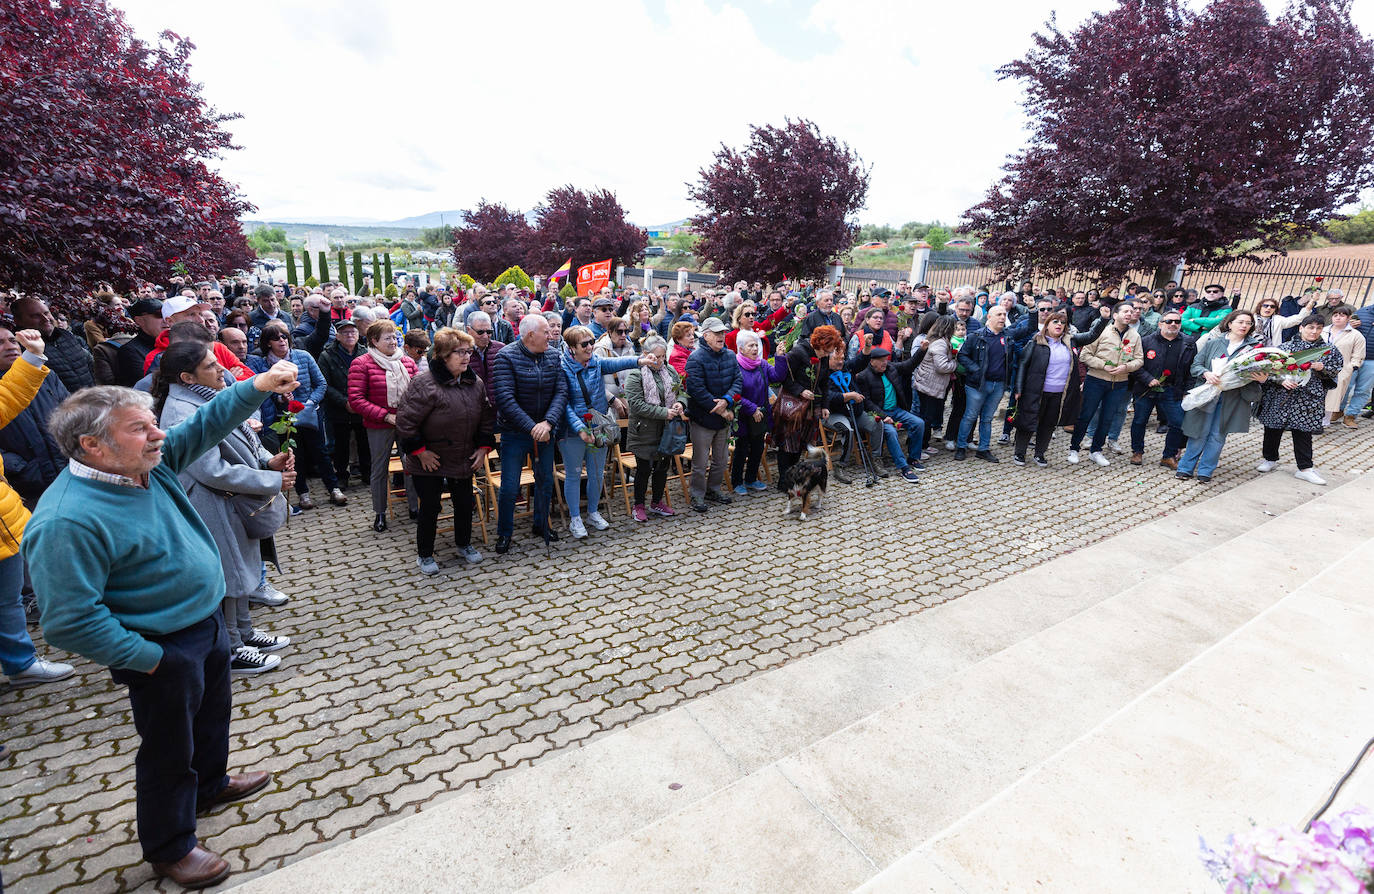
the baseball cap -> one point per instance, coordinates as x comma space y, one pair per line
178, 303
145, 306
342, 323
712, 324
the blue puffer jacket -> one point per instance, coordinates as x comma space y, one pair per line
711, 376
529, 388
595, 388
309, 391
973, 356
32, 457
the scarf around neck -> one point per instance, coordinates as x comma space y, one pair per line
397, 377
749, 363
657, 385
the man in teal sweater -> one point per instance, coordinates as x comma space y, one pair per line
127, 574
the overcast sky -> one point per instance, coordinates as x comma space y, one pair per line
386, 110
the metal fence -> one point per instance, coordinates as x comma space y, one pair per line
635, 276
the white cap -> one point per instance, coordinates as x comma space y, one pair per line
179, 303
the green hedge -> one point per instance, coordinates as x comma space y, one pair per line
324, 267
291, 267
514, 275
568, 291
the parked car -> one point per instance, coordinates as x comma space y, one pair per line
655, 251
872, 246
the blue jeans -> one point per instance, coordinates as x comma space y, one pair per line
980, 404
915, 436
1361, 383
1173, 414
576, 454
1204, 453
16, 649
1118, 421
514, 449
1102, 396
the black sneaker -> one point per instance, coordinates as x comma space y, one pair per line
909, 474
1041, 462
503, 544
266, 642
248, 660
700, 506
1161, 429
960, 453
1183, 476
1005, 439
1018, 459
917, 465
716, 496
987, 455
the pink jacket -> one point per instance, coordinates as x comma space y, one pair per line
367, 390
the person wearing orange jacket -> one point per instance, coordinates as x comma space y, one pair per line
18, 659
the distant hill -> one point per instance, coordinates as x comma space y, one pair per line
296, 231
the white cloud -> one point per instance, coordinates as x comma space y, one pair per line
389, 110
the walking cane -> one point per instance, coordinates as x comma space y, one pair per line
861, 444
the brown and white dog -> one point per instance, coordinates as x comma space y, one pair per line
806, 481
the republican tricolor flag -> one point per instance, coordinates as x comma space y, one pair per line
562, 272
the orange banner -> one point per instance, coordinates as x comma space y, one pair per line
593, 277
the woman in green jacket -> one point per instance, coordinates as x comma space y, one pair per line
652, 394
1208, 426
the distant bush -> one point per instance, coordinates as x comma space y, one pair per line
568, 291
1358, 229
392, 291
310, 281
466, 281
516, 276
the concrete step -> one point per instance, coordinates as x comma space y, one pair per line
823, 772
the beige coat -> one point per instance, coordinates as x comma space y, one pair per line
1350, 343
1108, 358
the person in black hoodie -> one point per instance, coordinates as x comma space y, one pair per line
346, 425
32, 457
1160, 384
886, 388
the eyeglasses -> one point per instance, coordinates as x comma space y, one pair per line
619, 331
463, 352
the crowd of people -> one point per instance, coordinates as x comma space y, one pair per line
187, 417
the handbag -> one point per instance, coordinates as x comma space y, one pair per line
673, 440
261, 517
793, 423
309, 417
604, 429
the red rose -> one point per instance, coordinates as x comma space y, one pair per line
1290, 367
1259, 357
815, 360
1318, 278
1306, 366
294, 406
586, 417
1166, 373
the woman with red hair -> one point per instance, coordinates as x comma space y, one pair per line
805, 392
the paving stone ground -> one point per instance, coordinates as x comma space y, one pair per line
400, 689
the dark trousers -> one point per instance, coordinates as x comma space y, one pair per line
956, 410
1170, 408
344, 432
932, 410
430, 491
1102, 399
313, 460
1050, 404
181, 712
515, 448
1302, 446
744, 467
649, 470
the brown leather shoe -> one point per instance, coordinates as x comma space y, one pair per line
198, 869
239, 787
1169, 463
1350, 422
1137, 458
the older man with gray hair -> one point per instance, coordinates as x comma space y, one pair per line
127, 574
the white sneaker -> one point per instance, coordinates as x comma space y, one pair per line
42, 671
949, 445
1267, 466
1310, 476
1073, 456
597, 521
1116, 448
268, 595
578, 529
1099, 459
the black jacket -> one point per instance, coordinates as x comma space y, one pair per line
70, 359
869, 383
32, 457
1160, 354
131, 357
819, 318
973, 355
529, 388
334, 365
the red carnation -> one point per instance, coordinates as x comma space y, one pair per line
294, 406
734, 398
1306, 366
1165, 373
1318, 278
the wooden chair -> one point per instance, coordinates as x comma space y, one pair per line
681, 471
492, 481
394, 494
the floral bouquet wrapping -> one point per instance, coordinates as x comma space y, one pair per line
1335, 857
1250, 363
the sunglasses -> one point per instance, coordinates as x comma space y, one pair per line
1214, 291
1171, 322
584, 344
749, 314
278, 337
480, 331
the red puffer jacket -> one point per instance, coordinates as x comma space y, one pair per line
367, 390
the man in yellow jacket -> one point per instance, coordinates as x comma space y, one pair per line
1110, 360
18, 659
